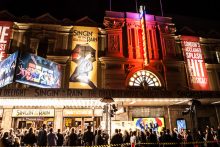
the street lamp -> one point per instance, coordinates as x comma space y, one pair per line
107, 101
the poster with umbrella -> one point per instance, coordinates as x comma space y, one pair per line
84, 56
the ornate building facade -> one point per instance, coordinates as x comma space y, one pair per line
140, 64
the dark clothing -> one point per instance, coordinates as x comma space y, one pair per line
189, 138
126, 139
30, 139
117, 139
5, 142
88, 138
60, 139
72, 139
42, 138
99, 140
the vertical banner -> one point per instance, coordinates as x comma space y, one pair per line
83, 68
197, 72
144, 39
5, 34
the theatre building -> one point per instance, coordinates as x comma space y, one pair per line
68, 73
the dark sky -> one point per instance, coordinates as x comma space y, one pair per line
74, 9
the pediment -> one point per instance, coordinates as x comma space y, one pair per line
7, 16
187, 31
47, 18
85, 21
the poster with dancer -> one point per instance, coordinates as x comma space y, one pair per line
83, 68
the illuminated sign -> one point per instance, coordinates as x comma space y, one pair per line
100, 93
1, 112
195, 63
77, 112
33, 113
144, 40
156, 124
37, 71
83, 69
5, 33
7, 71
81, 112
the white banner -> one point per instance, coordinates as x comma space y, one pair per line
33, 113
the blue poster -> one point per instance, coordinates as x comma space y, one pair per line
181, 124
37, 71
7, 71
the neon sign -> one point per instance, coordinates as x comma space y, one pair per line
195, 63
142, 21
5, 33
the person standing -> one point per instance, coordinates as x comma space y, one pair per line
88, 137
72, 138
133, 139
30, 138
98, 138
60, 138
5, 142
116, 138
42, 136
51, 138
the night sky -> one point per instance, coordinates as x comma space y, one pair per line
74, 9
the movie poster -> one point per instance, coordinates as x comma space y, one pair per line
5, 34
7, 69
37, 71
198, 77
156, 124
83, 68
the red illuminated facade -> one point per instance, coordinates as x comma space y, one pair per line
142, 63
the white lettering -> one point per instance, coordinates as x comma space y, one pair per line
3, 34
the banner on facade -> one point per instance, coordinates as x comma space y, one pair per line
83, 68
7, 69
33, 113
37, 71
5, 34
101, 93
197, 73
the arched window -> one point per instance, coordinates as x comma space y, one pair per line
144, 78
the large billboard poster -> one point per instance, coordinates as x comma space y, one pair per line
5, 34
37, 71
155, 123
83, 68
198, 77
7, 69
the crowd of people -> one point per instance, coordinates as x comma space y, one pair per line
72, 137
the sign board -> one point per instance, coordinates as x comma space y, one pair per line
81, 112
37, 71
197, 73
5, 34
33, 113
101, 93
77, 112
83, 68
7, 71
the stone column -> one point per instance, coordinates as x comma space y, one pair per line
7, 118
58, 118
